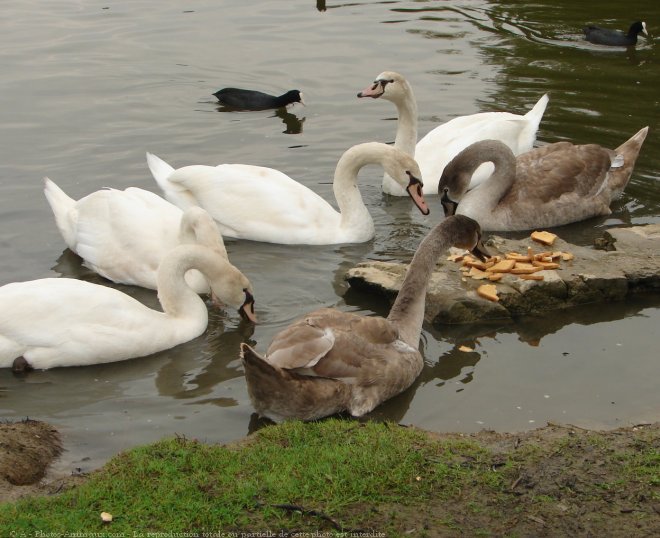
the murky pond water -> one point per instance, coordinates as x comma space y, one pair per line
88, 88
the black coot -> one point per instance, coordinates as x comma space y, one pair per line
239, 99
604, 36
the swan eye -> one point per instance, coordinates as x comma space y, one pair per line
413, 179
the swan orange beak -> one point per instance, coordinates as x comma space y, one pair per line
415, 191
375, 90
246, 310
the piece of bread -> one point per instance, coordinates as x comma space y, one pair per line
545, 238
517, 257
545, 265
503, 266
477, 274
488, 291
525, 269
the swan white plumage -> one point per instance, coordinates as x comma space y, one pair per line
263, 204
123, 235
55, 322
439, 146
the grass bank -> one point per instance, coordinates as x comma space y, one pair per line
339, 477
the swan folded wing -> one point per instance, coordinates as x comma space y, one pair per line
300, 346
547, 173
122, 235
373, 329
337, 345
376, 330
249, 196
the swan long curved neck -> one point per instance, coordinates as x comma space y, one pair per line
198, 227
349, 200
407, 312
490, 192
406, 132
175, 296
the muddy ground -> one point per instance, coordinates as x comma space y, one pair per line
27, 448
551, 496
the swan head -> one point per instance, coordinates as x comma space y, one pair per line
452, 186
456, 176
231, 287
465, 233
405, 171
389, 85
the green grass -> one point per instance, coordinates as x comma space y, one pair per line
180, 485
342, 475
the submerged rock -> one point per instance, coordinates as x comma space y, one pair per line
633, 265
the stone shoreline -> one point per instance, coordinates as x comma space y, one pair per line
630, 264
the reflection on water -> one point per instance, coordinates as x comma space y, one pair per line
294, 124
190, 377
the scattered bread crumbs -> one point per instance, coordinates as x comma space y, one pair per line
524, 266
488, 291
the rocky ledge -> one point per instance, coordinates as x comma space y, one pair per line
629, 263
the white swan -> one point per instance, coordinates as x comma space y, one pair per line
548, 186
439, 146
68, 322
331, 361
262, 204
123, 235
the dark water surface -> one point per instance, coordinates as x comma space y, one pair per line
88, 88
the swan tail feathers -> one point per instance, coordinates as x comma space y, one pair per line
266, 384
537, 111
160, 170
634, 143
279, 394
531, 120
64, 210
629, 151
